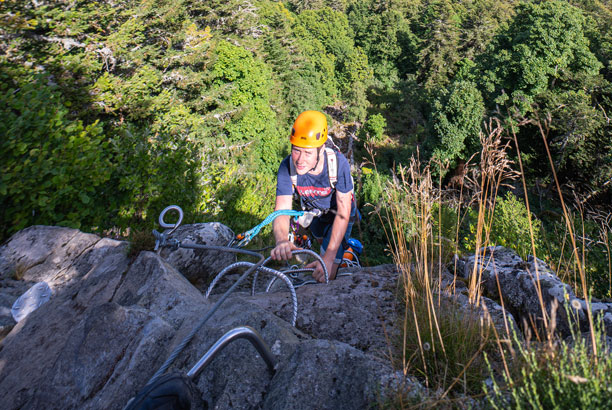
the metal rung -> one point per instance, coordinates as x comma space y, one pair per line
243, 332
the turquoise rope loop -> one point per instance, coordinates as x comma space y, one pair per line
251, 233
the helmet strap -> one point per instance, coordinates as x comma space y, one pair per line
318, 157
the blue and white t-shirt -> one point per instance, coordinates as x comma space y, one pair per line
315, 191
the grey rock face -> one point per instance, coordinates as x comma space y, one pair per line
108, 353
356, 309
520, 282
326, 374
157, 287
6, 318
79, 350
456, 291
52, 254
112, 321
61, 257
200, 266
238, 377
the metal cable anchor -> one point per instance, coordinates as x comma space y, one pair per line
161, 239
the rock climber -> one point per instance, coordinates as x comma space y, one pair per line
321, 178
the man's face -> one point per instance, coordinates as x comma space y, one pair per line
304, 159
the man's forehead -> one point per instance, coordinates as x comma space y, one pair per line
301, 149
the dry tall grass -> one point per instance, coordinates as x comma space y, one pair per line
439, 343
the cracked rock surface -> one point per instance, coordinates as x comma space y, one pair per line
358, 309
112, 321
200, 266
520, 282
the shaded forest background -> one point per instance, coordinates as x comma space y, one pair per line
112, 110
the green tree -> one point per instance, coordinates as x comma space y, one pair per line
456, 122
440, 39
386, 39
54, 170
300, 85
542, 67
544, 47
345, 66
374, 127
250, 121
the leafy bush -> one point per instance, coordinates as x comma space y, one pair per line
370, 230
509, 228
373, 184
249, 81
544, 47
343, 67
152, 172
457, 116
55, 170
243, 200
564, 375
374, 127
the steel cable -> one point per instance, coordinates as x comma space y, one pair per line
296, 252
181, 346
274, 272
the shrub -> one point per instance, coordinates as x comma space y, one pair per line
562, 375
152, 172
509, 228
373, 184
369, 191
244, 200
54, 170
456, 118
374, 127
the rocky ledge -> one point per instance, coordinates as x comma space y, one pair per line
112, 319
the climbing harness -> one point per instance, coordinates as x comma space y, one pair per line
301, 241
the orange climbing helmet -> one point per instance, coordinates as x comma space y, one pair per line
309, 130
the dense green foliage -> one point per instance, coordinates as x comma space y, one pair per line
374, 128
58, 167
113, 110
565, 375
456, 118
509, 227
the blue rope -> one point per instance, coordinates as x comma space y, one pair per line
250, 234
